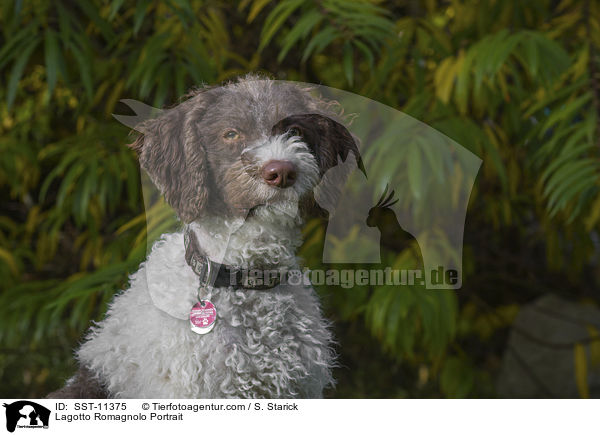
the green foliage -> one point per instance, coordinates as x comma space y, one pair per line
511, 81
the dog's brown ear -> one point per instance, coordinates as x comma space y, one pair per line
329, 140
337, 142
171, 152
331, 143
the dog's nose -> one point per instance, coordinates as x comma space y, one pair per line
280, 173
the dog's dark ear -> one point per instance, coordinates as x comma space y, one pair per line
336, 142
170, 151
331, 143
328, 139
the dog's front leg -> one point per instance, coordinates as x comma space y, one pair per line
83, 385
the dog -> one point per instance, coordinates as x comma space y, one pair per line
238, 163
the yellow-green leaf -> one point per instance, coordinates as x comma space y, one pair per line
9, 260
580, 360
257, 6
594, 346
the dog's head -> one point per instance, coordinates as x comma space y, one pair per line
227, 150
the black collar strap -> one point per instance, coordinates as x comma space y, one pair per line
213, 274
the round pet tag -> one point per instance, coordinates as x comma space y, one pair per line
203, 317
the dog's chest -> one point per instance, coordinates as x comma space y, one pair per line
264, 344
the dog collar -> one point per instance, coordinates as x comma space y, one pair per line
213, 274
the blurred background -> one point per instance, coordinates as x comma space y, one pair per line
516, 83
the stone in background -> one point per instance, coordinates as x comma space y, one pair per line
539, 359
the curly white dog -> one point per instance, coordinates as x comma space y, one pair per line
239, 164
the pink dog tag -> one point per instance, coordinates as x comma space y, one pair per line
203, 317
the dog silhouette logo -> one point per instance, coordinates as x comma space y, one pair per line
26, 414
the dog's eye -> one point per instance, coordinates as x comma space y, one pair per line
231, 135
294, 131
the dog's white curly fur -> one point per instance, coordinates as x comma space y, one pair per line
272, 343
